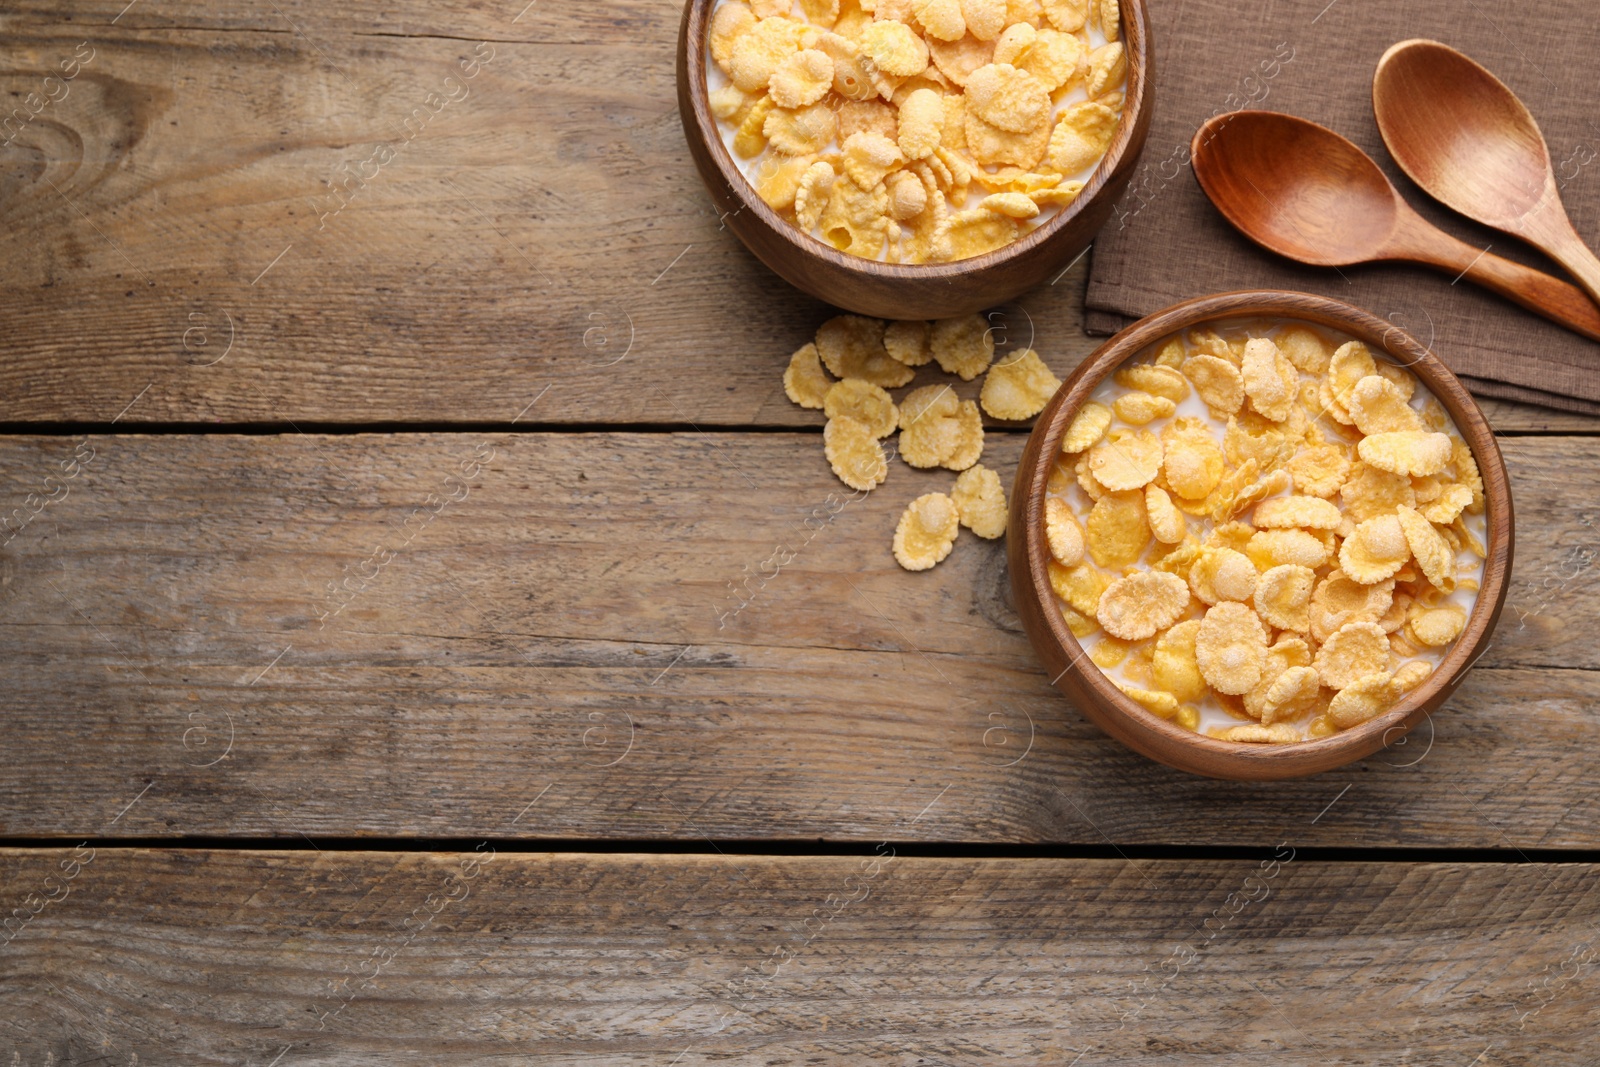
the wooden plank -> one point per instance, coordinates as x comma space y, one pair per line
174, 249
559, 653
240, 957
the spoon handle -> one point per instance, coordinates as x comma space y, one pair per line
1541, 293
1571, 252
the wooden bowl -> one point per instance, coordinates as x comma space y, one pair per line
1077, 676
909, 291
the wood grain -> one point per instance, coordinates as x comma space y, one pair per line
218, 957
547, 229
487, 678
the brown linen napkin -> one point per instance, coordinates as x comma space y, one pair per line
1316, 59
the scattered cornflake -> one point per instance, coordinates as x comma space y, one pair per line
962, 346
927, 532
854, 453
907, 342
1018, 387
981, 501
864, 402
968, 438
851, 346
804, 381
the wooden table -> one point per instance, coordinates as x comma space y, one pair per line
375, 517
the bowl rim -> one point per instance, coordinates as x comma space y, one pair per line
1135, 37
1383, 337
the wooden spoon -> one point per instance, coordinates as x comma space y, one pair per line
1304, 192
1465, 138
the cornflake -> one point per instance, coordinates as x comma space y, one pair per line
851, 346
1166, 521
1356, 650
1307, 512
1364, 699
1010, 99
1088, 426
1068, 16
1116, 529
1126, 459
927, 532
1156, 702
981, 502
1408, 452
1156, 380
1375, 550
1230, 647
894, 48
802, 78
1376, 405
1319, 470
854, 453
1251, 733
1270, 381
1218, 383
1429, 549
962, 346
1140, 605
805, 382
1290, 696
1079, 586
968, 438
1221, 574
1081, 135
1175, 668
1433, 627
864, 402
1137, 409
1283, 596
1019, 387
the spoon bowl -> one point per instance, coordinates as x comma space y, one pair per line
1256, 168
1466, 139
